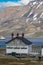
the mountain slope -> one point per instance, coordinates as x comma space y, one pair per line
27, 19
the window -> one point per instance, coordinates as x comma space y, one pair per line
23, 48
16, 47
9, 47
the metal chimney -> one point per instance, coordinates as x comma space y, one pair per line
17, 34
12, 35
22, 34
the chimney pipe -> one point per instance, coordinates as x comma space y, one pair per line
12, 34
22, 34
17, 34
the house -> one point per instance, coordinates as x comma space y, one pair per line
2, 42
19, 46
2, 46
37, 46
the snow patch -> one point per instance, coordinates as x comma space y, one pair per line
40, 3
41, 15
35, 17
30, 14
34, 3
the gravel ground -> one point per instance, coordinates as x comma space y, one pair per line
9, 60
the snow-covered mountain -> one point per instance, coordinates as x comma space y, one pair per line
27, 19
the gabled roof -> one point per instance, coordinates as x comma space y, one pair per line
27, 42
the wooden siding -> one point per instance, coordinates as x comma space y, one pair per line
18, 49
36, 49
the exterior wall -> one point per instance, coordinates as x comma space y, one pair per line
18, 49
36, 50
29, 49
42, 52
2, 50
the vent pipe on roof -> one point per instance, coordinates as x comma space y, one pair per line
17, 34
12, 35
22, 34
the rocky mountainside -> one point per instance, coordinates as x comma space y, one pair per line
27, 19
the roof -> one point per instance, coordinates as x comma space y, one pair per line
1, 37
2, 44
27, 42
36, 41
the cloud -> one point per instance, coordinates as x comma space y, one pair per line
25, 2
10, 3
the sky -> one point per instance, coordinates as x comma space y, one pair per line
9, 0
7, 3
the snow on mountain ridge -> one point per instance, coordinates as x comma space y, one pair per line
18, 19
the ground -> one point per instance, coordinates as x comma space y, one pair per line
9, 60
